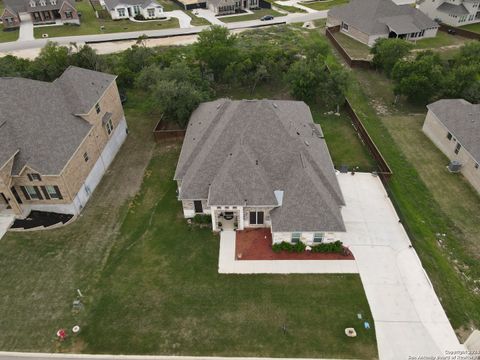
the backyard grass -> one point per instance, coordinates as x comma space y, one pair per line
257, 14
442, 39
324, 4
354, 48
430, 200
91, 25
151, 283
472, 27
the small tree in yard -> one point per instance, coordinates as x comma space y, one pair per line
387, 52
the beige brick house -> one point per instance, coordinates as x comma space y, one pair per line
57, 140
263, 164
453, 125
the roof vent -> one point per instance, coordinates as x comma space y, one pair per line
307, 143
275, 105
218, 106
454, 166
298, 133
256, 162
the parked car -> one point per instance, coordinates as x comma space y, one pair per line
266, 18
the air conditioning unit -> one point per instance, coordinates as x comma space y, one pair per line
454, 166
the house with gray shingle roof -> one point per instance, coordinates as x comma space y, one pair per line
452, 12
369, 20
453, 125
40, 11
260, 163
124, 9
57, 140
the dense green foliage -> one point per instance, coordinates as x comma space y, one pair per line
386, 53
333, 247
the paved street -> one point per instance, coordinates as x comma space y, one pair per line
409, 318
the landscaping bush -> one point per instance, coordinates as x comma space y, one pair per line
333, 247
202, 219
139, 17
285, 246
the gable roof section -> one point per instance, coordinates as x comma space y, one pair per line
373, 17
241, 152
462, 119
39, 119
19, 6
453, 9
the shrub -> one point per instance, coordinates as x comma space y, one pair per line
139, 17
202, 219
285, 246
333, 247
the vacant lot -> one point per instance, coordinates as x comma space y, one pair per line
91, 25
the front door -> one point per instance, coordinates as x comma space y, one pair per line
197, 204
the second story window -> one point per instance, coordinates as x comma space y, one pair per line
34, 177
85, 156
109, 126
97, 108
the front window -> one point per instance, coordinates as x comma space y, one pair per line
296, 237
53, 192
109, 126
32, 192
68, 14
449, 136
97, 108
121, 13
34, 177
318, 237
256, 217
136, 10
85, 156
151, 12
457, 148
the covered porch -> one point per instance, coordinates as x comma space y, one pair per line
227, 218
45, 16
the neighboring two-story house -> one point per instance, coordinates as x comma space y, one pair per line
260, 163
453, 125
369, 20
124, 9
452, 12
57, 140
221, 7
40, 12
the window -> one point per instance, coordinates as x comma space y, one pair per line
197, 205
85, 156
121, 13
296, 237
53, 192
97, 108
43, 3
68, 14
256, 217
457, 148
476, 165
318, 237
344, 26
53, 2
136, 9
34, 177
31, 192
151, 12
449, 136
109, 126
32, 4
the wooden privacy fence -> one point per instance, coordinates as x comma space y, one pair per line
162, 133
353, 63
384, 170
462, 32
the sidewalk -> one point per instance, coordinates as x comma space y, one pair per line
227, 264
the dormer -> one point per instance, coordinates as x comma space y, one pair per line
43, 3
53, 2
32, 3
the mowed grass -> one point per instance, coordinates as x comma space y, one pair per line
354, 48
429, 199
324, 4
472, 27
91, 25
257, 14
442, 39
161, 293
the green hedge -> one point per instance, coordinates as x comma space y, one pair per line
334, 247
202, 219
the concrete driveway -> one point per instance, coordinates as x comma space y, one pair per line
183, 19
5, 222
208, 15
409, 318
26, 28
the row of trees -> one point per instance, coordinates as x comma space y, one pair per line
425, 77
175, 80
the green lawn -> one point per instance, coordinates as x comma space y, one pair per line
151, 283
257, 14
6, 36
324, 4
429, 199
91, 25
197, 21
442, 39
354, 48
472, 27
291, 9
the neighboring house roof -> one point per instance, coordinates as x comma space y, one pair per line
241, 152
19, 6
38, 118
217, 3
462, 119
374, 17
112, 4
453, 9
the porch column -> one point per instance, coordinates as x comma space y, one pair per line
12, 201
240, 221
214, 220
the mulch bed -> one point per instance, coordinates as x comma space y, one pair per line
256, 244
41, 218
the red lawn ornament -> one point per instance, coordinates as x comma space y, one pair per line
62, 334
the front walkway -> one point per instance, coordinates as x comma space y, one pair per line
296, 3
409, 319
208, 15
227, 264
26, 28
6, 220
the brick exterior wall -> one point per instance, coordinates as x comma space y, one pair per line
7, 14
